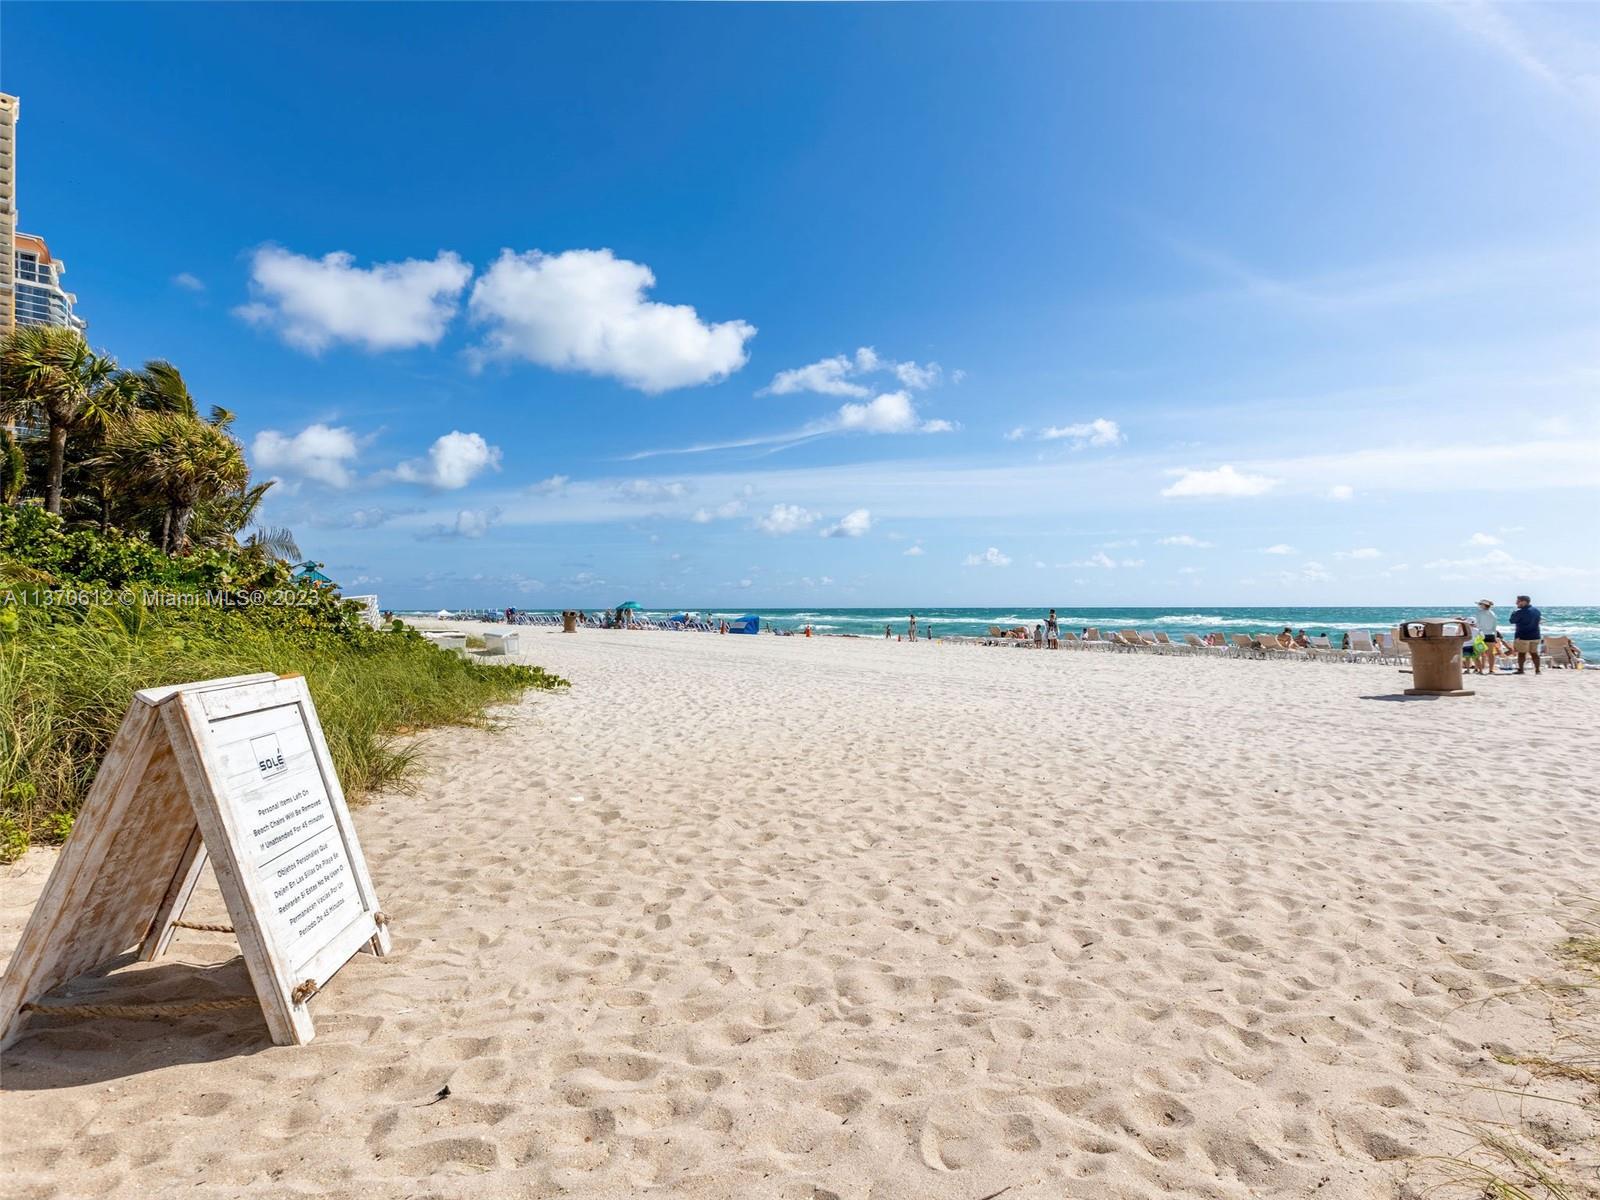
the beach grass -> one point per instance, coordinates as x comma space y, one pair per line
66, 679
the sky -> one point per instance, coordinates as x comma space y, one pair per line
715, 306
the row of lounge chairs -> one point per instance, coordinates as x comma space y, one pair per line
1361, 646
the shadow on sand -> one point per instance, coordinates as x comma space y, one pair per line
61, 1051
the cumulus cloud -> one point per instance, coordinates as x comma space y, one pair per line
1280, 548
853, 524
554, 486
1184, 539
1483, 539
991, 557
1223, 481
1362, 552
1016, 435
314, 302
325, 453
786, 518
453, 461
469, 523
188, 282
585, 310
913, 552
1098, 432
1341, 491
892, 412
841, 374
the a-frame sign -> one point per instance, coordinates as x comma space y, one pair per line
237, 770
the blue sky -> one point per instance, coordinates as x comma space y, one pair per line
822, 305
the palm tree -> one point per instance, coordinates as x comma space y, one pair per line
180, 461
49, 376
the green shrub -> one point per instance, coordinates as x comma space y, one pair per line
88, 619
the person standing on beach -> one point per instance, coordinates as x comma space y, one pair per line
1525, 623
911, 628
888, 630
1489, 627
1052, 631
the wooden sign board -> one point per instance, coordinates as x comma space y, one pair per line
236, 770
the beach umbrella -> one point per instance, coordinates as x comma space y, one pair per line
629, 605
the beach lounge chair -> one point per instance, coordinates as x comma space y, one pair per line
1244, 645
1093, 641
1193, 642
1558, 652
1071, 641
1361, 648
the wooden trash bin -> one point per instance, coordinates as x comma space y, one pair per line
1435, 644
569, 621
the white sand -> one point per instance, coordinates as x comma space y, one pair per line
763, 917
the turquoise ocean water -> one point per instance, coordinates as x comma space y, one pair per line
1580, 624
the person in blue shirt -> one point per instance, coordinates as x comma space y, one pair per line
1525, 621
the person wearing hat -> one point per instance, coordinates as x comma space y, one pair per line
1489, 626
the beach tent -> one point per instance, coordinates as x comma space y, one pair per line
745, 624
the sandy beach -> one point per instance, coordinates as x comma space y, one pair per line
795, 918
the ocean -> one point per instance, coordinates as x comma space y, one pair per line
1582, 625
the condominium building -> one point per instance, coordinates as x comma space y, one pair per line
9, 108
40, 298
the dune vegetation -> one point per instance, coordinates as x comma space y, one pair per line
128, 560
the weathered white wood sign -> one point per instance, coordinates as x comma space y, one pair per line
237, 770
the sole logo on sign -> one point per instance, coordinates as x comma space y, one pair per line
268, 755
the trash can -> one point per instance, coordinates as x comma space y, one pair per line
569, 621
1435, 645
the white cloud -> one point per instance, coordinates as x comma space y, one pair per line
913, 552
453, 461
1098, 432
1311, 572
554, 486
1497, 565
1341, 491
917, 377
892, 412
744, 583
786, 518
853, 524
1280, 548
652, 491
585, 310
1184, 539
1535, 40
324, 453
188, 282
725, 510
1017, 434
468, 523
837, 376
315, 302
1223, 481
991, 557
1483, 539
1103, 561
1363, 552
368, 518
1188, 570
